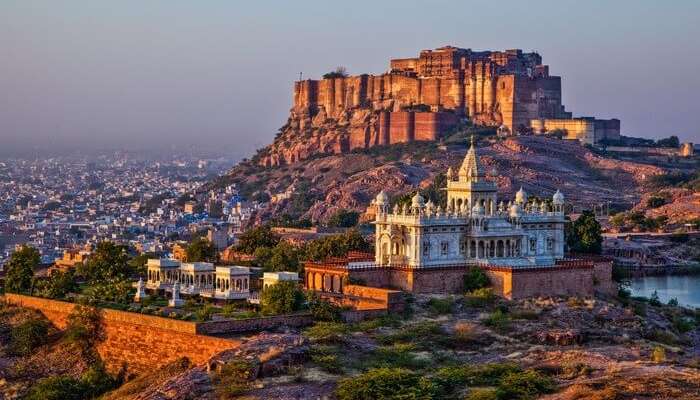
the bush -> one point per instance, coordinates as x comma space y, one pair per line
235, 377
441, 306
93, 383
57, 286
682, 324
398, 355
85, 326
654, 299
480, 297
28, 336
323, 310
482, 394
19, 270
327, 331
282, 298
524, 385
385, 383
498, 320
475, 279
344, 219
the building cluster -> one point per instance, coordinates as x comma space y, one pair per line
425, 248
60, 205
210, 281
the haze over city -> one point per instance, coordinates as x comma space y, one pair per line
218, 74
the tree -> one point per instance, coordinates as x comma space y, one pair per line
201, 249
671, 141
109, 261
344, 219
340, 72
336, 245
20, 269
58, 285
261, 236
283, 257
583, 235
282, 298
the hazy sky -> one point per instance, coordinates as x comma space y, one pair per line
219, 73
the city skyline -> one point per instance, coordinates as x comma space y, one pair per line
83, 76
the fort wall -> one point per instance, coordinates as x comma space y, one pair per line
141, 342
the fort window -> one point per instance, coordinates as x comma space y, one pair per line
444, 247
533, 244
426, 249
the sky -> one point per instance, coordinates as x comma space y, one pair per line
155, 74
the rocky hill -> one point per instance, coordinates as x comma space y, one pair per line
322, 184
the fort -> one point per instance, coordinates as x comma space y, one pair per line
423, 98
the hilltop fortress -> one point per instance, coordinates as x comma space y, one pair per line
425, 97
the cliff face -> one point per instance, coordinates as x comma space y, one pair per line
350, 181
419, 99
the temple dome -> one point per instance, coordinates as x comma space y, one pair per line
514, 210
381, 199
521, 196
417, 201
558, 198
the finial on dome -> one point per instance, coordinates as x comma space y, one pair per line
558, 198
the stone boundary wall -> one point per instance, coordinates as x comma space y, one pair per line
141, 342
228, 326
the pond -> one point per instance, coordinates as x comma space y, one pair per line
684, 288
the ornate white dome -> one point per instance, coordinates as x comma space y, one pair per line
381, 199
514, 210
558, 198
521, 196
417, 201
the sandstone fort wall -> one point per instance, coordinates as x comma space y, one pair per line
141, 342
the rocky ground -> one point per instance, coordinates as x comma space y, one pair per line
589, 348
540, 165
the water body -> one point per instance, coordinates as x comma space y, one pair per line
685, 288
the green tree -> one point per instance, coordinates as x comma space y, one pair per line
109, 261
58, 285
671, 141
201, 249
385, 383
336, 245
344, 219
283, 257
261, 236
20, 269
282, 298
584, 234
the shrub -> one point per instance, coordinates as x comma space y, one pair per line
441, 306
326, 357
498, 320
322, 310
234, 377
204, 313
658, 354
93, 383
654, 299
397, 356
673, 302
424, 334
327, 331
85, 326
655, 201
474, 279
482, 394
682, 324
28, 336
524, 385
466, 332
385, 383
480, 298
282, 298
